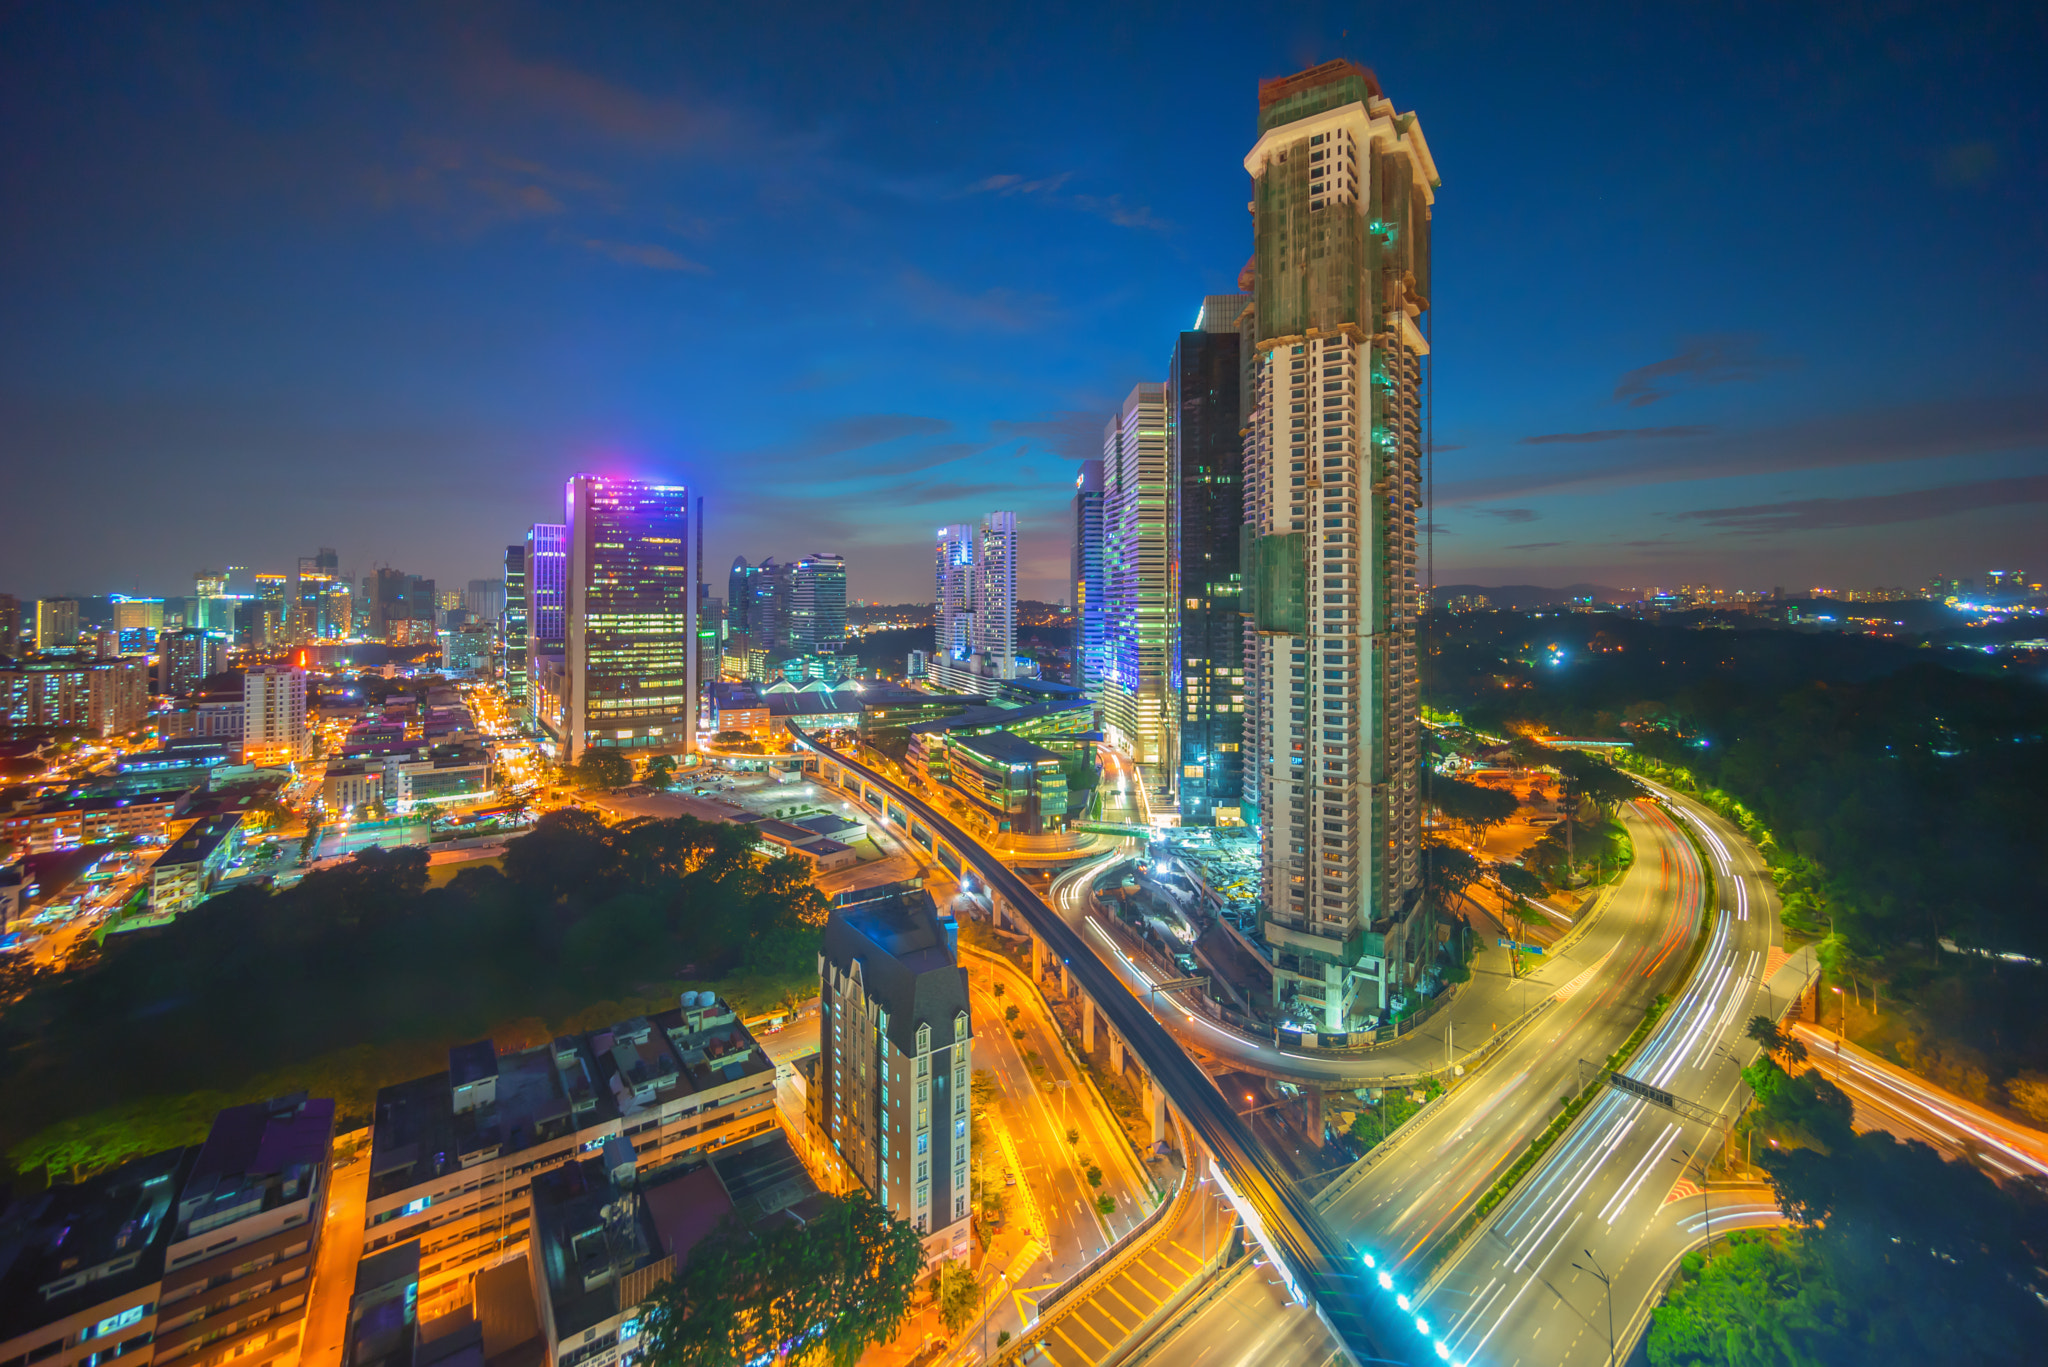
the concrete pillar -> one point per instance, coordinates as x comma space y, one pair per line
1087, 1024
1066, 981
1037, 959
1312, 1114
1116, 1053
1155, 1102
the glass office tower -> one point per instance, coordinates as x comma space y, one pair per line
630, 666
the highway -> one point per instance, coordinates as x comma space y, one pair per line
1526, 1288
1282, 1220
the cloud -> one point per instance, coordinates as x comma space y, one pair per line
1873, 510
1008, 185
856, 432
1113, 208
999, 309
1718, 359
1510, 514
1047, 188
1444, 446
1932, 430
1538, 545
557, 94
1615, 434
649, 254
1436, 527
1071, 433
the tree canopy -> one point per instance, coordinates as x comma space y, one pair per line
1469, 804
824, 1290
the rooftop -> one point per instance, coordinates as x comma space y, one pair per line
199, 841
1004, 748
65, 1249
906, 956
256, 1158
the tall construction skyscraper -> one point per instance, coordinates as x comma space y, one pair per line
953, 585
1138, 711
1342, 188
817, 604
1207, 667
1089, 602
630, 662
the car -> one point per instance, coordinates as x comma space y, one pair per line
1009, 1177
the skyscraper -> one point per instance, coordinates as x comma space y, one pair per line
1333, 483
1207, 667
311, 614
817, 604
56, 623
631, 639
274, 716
1138, 712
975, 612
512, 629
547, 594
10, 625
739, 595
185, 659
1088, 601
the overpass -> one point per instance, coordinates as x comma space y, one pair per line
1320, 1268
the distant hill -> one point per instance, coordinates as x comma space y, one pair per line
1516, 597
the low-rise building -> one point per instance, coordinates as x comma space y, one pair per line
821, 852
184, 875
1017, 784
452, 1154
239, 1268
103, 697
60, 823
81, 1267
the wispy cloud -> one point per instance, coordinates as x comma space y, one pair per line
1538, 545
1725, 358
1048, 189
1000, 308
548, 91
1873, 510
1009, 185
651, 255
1071, 433
1510, 514
1937, 429
1614, 434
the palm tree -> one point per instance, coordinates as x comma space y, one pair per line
1765, 1031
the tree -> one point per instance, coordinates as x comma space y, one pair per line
1447, 871
1759, 1304
661, 771
1519, 880
1595, 779
954, 1290
311, 839
604, 769
729, 738
985, 1088
1472, 805
1765, 1031
841, 1282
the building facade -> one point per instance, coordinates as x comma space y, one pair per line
975, 612
631, 624
817, 604
187, 658
1207, 664
891, 1088
56, 623
1138, 711
1342, 188
274, 716
101, 697
1089, 597
512, 630
547, 598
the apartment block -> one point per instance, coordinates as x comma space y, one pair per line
452, 1154
274, 728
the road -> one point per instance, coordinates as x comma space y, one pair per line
1908, 1106
1280, 1217
341, 1245
1524, 1289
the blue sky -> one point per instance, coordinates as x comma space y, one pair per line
1751, 294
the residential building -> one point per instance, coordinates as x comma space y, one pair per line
817, 604
1090, 597
100, 697
452, 1154
274, 716
138, 614
631, 658
1206, 668
890, 1090
83, 1268
239, 1268
187, 658
56, 623
485, 600
10, 625
184, 875
209, 714
512, 631
547, 599
975, 612
1139, 712
1342, 188
58, 823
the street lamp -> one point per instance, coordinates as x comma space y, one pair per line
1606, 1281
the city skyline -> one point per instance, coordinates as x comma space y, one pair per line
1609, 421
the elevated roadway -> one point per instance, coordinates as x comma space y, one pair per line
1315, 1263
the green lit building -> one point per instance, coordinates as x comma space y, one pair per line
1020, 786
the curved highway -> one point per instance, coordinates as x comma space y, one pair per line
1320, 1268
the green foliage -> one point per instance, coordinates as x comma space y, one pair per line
603, 769
1469, 804
661, 772
1094, 1175
954, 1290
1105, 1204
985, 1088
1760, 1303
839, 1283
364, 955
